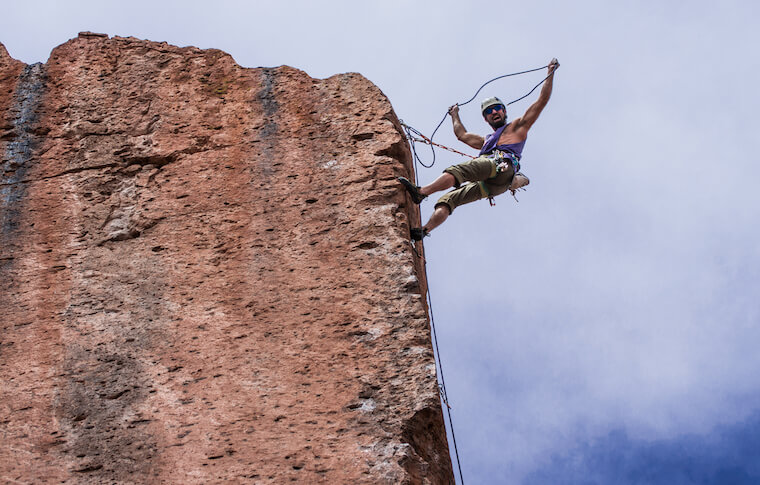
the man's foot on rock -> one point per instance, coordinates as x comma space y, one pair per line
418, 233
413, 190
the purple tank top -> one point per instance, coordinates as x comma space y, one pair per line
492, 140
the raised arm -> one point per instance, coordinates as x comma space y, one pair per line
531, 115
475, 141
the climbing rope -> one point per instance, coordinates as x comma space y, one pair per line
429, 141
442, 382
411, 132
415, 136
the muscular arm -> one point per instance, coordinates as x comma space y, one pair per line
531, 115
471, 139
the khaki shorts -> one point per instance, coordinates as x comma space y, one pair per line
480, 181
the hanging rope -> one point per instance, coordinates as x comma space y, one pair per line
429, 141
438, 360
442, 388
415, 136
442, 382
410, 132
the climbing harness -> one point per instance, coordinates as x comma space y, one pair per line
499, 157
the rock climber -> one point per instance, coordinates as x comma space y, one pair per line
494, 171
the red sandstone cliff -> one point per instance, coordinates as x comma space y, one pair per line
206, 276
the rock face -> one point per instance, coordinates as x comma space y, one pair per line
206, 275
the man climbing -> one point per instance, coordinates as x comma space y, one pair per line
496, 168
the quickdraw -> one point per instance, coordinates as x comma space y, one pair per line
497, 156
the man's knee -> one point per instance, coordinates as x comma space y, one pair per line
464, 195
445, 207
453, 171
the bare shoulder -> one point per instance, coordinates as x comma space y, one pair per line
515, 132
517, 125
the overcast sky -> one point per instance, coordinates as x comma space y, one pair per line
603, 329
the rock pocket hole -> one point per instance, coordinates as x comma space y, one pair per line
368, 245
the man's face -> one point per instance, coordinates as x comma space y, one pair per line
495, 116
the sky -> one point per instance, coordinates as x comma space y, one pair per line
603, 329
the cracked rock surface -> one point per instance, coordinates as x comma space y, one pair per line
206, 275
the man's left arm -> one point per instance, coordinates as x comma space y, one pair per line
531, 115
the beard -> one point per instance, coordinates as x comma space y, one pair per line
498, 124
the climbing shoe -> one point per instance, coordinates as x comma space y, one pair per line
418, 233
518, 181
413, 190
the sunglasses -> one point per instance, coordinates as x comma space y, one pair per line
491, 109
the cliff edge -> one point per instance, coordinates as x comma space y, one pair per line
206, 275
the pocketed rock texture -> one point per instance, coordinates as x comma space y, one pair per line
206, 275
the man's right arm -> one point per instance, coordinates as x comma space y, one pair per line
475, 141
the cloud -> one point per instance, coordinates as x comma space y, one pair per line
730, 455
618, 298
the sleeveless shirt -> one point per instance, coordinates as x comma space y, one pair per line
492, 140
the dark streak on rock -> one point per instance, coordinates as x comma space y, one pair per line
268, 132
18, 154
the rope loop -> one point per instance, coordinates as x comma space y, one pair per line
429, 141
